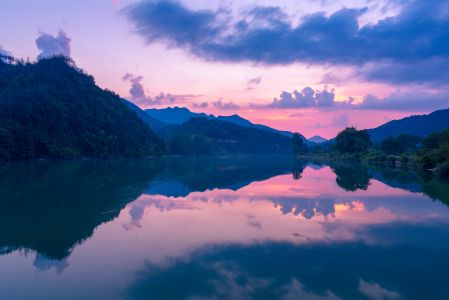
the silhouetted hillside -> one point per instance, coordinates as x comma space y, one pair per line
179, 115
52, 109
200, 136
153, 123
421, 126
317, 139
174, 115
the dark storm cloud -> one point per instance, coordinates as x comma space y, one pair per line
433, 72
406, 101
50, 45
419, 33
173, 23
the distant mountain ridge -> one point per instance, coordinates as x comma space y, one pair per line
174, 115
418, 125
178, 115
317, 139
153, 123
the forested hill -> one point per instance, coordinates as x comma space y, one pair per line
201, 136
420, 125
52, 109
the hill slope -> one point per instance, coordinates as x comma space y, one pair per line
201, 136
421, 125
236, 119
52, 109
174, 115
317, 139
153, 123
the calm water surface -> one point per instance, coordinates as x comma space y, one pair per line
265, 228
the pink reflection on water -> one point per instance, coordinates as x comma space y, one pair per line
311, 209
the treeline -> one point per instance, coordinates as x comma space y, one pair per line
53, 109
430, 153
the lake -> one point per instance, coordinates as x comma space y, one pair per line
221, 228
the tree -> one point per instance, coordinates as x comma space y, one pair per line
352, 177
402, 143
352, 140
298, 143
435, 152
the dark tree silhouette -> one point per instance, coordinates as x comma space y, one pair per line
352, 140
352, 177
400, 144
298, 143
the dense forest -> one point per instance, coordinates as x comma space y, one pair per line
419, 125
53, 109
201, 136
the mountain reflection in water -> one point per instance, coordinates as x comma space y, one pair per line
241, 228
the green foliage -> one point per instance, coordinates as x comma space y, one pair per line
52, 109
352, 140
436, 139
435, 153
402, 143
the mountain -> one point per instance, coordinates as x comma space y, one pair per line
236, 119
420, 125
317, 139
53, 109
153, 123
173, 115
179, 115
201, 136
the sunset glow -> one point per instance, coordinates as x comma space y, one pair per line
105, 42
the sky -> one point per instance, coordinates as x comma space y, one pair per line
312, 66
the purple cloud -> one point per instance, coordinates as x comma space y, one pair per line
253, 82
53, 45
139, 96
417, 34
225, 105
341, 121
307, 97
204, 104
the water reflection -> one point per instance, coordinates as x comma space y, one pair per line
50, 207
352, 177
261, 228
